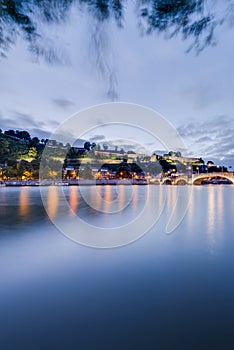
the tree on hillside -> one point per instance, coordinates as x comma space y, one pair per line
4, 150
174, 154
10, 132
25, 169
35, 163
44, 141
87, 146
124, 170
34, 142
24, 135
32, 152
93, 145
86, 173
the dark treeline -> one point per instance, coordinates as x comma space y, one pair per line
22, 156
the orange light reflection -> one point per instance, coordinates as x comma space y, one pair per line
24, 202
52, 202
73, 199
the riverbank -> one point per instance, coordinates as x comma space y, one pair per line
20, 183
114, 182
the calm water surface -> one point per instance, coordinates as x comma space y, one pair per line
161, 292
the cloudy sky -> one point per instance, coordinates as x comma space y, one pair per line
195, 93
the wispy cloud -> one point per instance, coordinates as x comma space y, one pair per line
203, 96
42, 134
22, 119
18, 120
127, 145
212, 138
62, 103
97, 138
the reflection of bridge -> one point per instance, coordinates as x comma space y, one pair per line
196, 179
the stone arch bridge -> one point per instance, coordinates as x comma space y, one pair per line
197, 179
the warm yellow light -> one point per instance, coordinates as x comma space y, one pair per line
53, 173
98, 175
26, 174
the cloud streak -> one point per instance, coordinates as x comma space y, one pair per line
212, 138
62, 103
97, 138
23, 121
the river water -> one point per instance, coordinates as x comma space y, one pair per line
162, 291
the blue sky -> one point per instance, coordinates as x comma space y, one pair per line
195, 93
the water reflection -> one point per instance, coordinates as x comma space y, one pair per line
121, 197
24, 203
73, 199
161, 197
211, 218
3, 201
52, 201
107, 198
135, 197
173, 202
195, 202
95, 197
220, 209
114, 284
168, 200
190, 212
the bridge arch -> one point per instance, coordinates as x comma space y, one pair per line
181, 182
199, 178
155, 182
167, 181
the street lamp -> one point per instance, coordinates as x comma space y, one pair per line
189, 171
